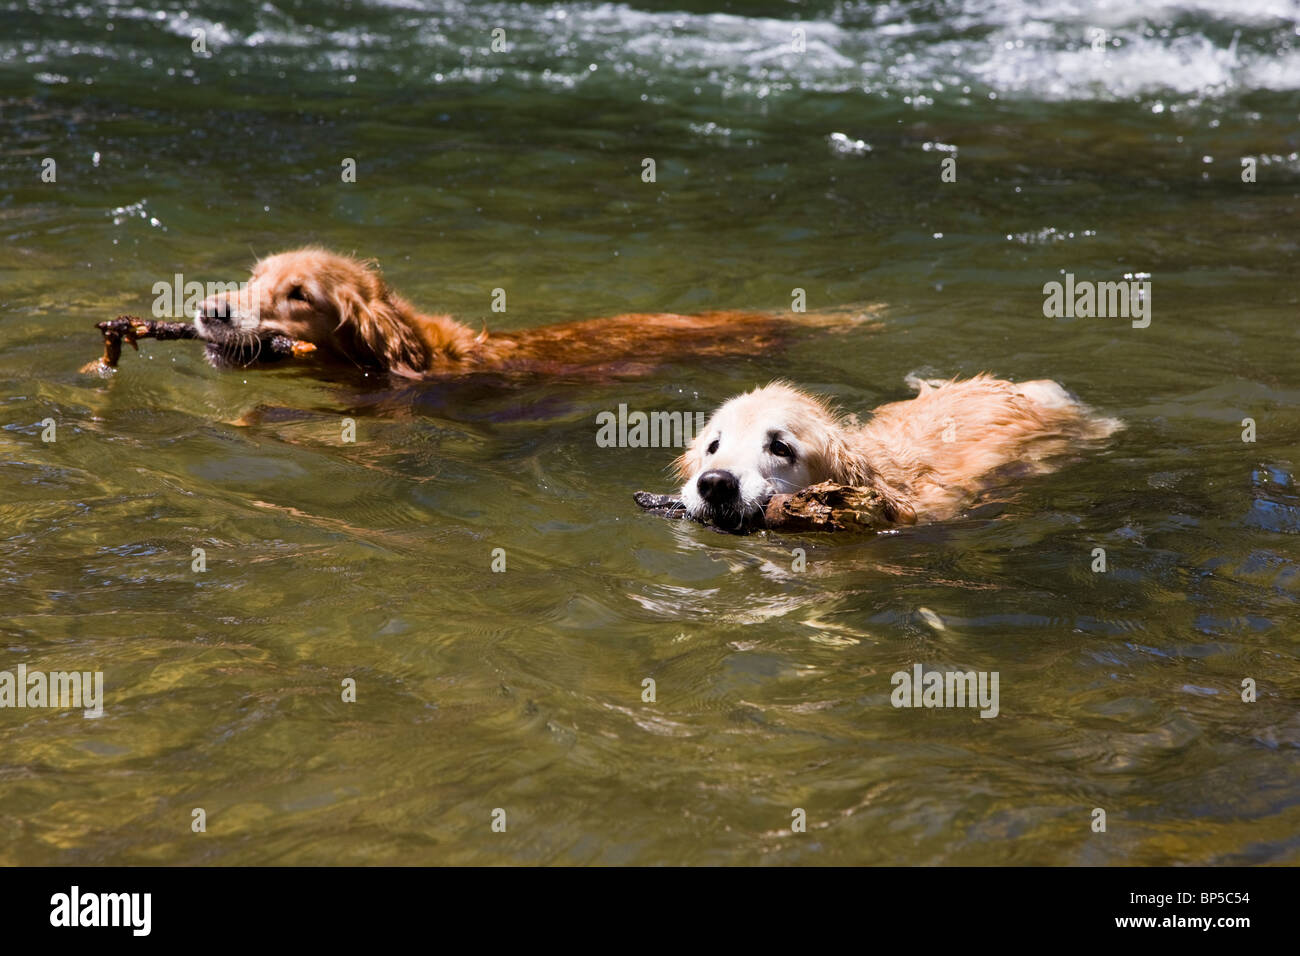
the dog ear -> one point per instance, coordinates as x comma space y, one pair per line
848, 465
894, 504
381, 331
842, 463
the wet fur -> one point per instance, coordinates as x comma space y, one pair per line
926, 456
344, 307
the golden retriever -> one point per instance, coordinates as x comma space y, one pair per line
344, 308
925, 456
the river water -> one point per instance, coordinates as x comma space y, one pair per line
1097, 140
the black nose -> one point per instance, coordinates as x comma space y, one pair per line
217, 310
718, 487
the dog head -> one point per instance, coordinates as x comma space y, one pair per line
773, 440
339, 304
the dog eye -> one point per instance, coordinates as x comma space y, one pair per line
713, 446
781, 449
296, 293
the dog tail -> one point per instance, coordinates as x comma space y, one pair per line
1051, 401
1053, 398
841, 318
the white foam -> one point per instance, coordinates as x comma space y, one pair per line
1183, 51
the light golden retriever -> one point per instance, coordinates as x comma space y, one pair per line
925, 456
344, 308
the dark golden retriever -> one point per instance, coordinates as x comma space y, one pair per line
344, 308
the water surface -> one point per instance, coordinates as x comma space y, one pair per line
522, 690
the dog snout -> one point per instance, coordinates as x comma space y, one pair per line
718, 487
217, 309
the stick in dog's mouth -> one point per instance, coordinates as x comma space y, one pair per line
671, 506
822, 507
131, 328
228, 347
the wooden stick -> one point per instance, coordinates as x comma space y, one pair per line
823, 507
130, 328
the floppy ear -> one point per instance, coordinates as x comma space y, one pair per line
381, 332
848, 465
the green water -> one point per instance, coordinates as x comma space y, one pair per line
522, 690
